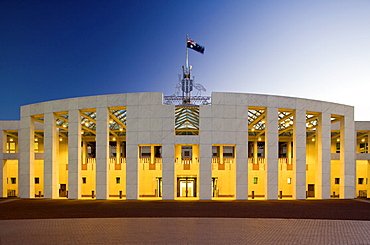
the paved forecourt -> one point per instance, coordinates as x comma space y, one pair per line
40, 221
184, 231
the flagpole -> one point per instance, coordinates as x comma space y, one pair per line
187, 53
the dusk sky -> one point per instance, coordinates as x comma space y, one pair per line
61, 49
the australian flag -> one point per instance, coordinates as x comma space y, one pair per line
193, 45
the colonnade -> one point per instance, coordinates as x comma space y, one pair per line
223, 122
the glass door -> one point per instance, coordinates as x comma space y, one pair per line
186, 187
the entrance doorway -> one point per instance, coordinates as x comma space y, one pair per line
186, 187
159, 187
63, 190
214, 187
311, 190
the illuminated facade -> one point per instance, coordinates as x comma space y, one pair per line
135, 146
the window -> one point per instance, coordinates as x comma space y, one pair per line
112, 148
261, 149
336, 181
360, 181
158, 151
13, 181
363, 148
144, 151
10, 147
215, 151
255, 180
118, 180
283, 149
228, 151
186, 151
37, 180
289, 180
83, 180
337, 148
250, 149
91, 149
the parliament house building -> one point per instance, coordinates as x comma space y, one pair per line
231, 146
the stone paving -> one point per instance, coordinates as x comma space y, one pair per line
184, 231
42, 221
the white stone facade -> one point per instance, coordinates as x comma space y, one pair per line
82, 148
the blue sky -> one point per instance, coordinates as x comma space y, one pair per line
62, 49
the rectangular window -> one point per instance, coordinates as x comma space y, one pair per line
158, 151
37, 180
336, 181
363, 148
261, 149
113, 148
186, 151
250, 149
83, 180
255, 180
10, 147
228, 151
13, 181
187, 154
283, 149
337, 148
36, 147
360, 181
145, 151
118, 180
215, 151
289, 180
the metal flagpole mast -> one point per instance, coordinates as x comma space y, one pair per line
187, 53
186, 81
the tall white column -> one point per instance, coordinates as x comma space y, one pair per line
132, 152
271, 149
51, 166
242, 156
132, 174
74, 154
102, 153
205, 171
132, 170
168, 152
26, 166
205, 151
299, 152
347, 157
168, 171
322, 183
242, 171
